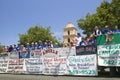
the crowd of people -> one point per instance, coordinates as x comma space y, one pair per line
78, 41
32, 46
91, 40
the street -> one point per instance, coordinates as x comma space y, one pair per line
44, 77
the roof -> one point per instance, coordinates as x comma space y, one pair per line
69, 25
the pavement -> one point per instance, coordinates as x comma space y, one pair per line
46, 77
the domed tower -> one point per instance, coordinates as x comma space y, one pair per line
70, 32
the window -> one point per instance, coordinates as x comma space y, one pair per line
68, 39
68, 32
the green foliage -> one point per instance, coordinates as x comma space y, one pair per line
1, 48
36, 34
106, 14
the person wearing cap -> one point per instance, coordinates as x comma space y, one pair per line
56, 45
116, 30
91, 40
107, 30
32, 46
45, 46
28, 47
40, 45
36, 45
14, 48
50, 44
18, 47
83, 42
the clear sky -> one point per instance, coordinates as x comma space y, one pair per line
17, 16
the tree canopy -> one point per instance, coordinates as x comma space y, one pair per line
36, 34
106, 14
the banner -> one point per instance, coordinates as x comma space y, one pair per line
16, 66
24, 54
34, 66
4, 56
54, 52
83, 65
84, 50
55, 66
3, 65
13, 55
109, 55
109, 39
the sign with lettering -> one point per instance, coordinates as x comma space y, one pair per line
13, 55
53, 52
4, 56
34, 66
109, 55
3, 65
25, 54
15, 66
89, 49
82, 65
55, 66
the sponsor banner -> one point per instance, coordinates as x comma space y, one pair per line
25, 54
83, 65
109, 39
54, 52
55, 66
89, 49
4, 56
13, 55
15, 66
36, 53
3, 65
34, 66
66, 51
109, 55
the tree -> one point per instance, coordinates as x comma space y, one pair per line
106, 14
1, 48
36, 34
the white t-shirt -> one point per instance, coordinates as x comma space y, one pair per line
78, 40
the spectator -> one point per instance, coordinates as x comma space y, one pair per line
10, 48
107, 30
56, 45
18, 47
116, 30
32, 46
23, 49
4, 49
45, 45
83, 42
28, 47
36, 45
91, 40
78, 39
40, 45
51, 45
14, 48
96, 32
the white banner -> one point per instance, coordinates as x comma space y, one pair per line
16, 66
53, 52
83, 65
55, 66
3, 65
109, 55
13, 55
34, 66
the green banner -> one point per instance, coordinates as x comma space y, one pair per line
108, 39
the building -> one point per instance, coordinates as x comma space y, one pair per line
70, 32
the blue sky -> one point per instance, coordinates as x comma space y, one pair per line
17, 16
